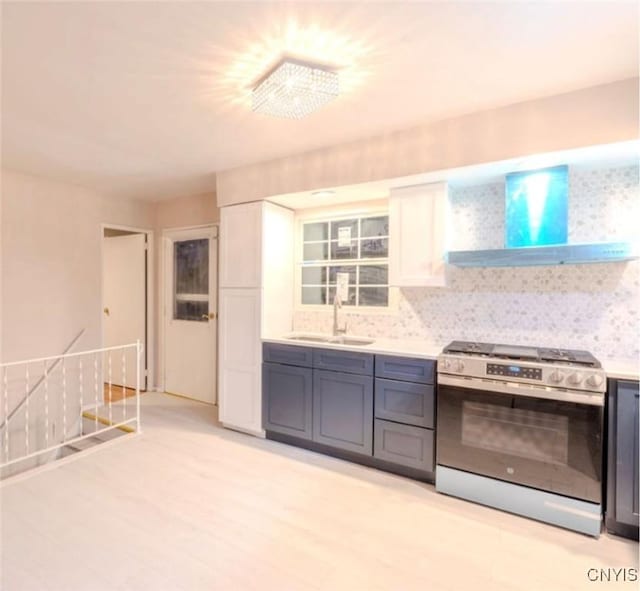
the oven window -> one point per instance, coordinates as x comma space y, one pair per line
526, 433
550, 445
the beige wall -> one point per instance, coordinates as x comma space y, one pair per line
194, 210
51, 262
598, 115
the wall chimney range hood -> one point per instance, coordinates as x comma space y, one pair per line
536, 228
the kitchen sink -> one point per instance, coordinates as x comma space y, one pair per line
341, 340
311, 339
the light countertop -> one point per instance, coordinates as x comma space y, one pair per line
622, 370
405, 347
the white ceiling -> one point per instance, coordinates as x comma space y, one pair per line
149, 99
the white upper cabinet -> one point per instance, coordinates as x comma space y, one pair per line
417, 222
241, 245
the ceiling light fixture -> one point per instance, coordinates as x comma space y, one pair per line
293, 89
323, 193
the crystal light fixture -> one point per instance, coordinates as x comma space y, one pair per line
294, 89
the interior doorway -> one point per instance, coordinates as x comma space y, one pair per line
125, 312
190, 287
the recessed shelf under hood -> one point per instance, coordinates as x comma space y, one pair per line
560, 254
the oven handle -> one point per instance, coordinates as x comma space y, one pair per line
590, 398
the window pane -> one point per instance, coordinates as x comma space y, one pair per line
314, 295
342, 269
352, 296
191, 266
344, 252
352, 225
190, 310
372, 248
316, 231
374, 296
374, 275
314, 275
315, 252
378, 226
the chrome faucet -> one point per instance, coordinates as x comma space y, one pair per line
337, 331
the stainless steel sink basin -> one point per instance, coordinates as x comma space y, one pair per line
310, 339
351, 341
341, 340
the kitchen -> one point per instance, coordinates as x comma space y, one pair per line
365, 385
416, 286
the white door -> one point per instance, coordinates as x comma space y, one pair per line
190, 267
124, 300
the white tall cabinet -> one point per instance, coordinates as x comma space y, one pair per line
417, 235
256, 298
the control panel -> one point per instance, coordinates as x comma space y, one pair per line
514, 371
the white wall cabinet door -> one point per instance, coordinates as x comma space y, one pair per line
240, 387
417, 223
241, 245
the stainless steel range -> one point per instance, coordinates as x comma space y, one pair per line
521, 429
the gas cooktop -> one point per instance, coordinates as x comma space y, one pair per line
523, 353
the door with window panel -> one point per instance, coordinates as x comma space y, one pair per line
357, 247
190, 313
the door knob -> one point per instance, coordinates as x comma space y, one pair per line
209, 316
106, 312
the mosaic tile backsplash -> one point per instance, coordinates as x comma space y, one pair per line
592, 306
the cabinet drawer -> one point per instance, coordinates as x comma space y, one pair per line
403, 444
404, 402
345, 361
406, 369
287, 354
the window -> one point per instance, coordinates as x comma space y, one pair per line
191, 280
357, 246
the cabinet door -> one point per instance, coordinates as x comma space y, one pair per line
627, 492
343, 411
287, 396
241, 245
417, 235
240, 359
404, 444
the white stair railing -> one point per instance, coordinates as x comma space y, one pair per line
48, 403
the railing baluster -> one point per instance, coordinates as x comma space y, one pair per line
81, 388
45, 373
64, 399
110, 390
95, 388
26, 408
5, 387
124, 382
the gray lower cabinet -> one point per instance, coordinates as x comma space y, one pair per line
287, 399
623, 511
404, 444
343, 411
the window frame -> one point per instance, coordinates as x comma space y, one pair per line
337, 216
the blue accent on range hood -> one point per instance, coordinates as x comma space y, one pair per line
559, 254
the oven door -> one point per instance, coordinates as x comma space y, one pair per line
507, 431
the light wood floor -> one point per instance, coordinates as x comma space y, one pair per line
190, 506
117, 393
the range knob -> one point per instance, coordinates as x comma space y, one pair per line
594, 380
446, 364
459, 366
556, 377
574, 379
